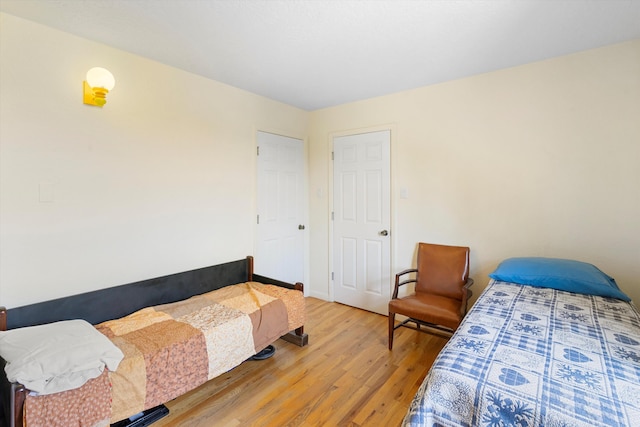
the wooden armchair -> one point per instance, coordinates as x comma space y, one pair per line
441, 290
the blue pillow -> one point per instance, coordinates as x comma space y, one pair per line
562, 274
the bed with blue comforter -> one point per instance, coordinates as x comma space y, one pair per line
538, 354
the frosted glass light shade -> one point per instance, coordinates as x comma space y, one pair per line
100, 77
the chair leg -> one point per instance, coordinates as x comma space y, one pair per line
392, 322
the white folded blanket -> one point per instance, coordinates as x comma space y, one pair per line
57, 356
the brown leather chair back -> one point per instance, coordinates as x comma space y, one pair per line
442, 270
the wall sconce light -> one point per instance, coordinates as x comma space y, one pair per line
99, 82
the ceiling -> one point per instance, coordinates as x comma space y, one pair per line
318, 53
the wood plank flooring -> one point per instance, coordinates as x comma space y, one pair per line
346, 376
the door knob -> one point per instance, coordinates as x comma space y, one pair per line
301, 227
384, 233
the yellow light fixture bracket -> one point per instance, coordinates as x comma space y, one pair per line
94, 96
95, 88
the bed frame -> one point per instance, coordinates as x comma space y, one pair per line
119, 301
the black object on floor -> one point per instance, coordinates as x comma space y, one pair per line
266, 353
145, 418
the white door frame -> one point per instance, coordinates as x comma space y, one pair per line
392, 128
305, 190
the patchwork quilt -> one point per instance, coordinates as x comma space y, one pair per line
528, 356
173, 348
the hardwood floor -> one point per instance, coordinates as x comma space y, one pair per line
346, 376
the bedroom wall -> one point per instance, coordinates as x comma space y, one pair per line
533, 160
537, 160
161, 180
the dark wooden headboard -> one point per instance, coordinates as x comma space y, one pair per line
118, 301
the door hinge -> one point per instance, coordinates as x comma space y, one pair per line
332, 155
332, 216
332, 275
258, 150
258, 219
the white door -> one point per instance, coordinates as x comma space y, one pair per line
361, 220
279, 251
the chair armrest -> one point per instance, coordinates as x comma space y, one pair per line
466, 294
404, 282
407, 271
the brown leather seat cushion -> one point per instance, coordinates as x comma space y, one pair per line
429, 308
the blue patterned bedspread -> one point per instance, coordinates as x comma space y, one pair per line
528, 356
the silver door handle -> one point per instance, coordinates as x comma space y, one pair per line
384, 233
301, 227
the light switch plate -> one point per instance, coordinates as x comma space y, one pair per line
46, 192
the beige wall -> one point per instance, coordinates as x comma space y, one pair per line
537, 160
161, 180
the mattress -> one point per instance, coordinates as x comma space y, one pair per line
171, 349
531, 356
